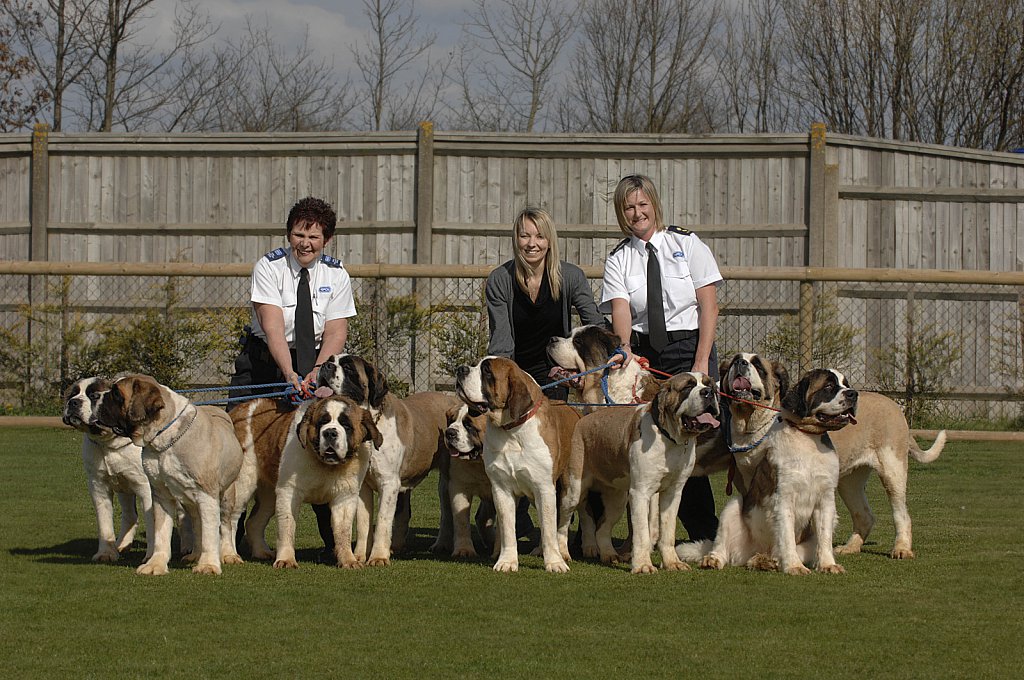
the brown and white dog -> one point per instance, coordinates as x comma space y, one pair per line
191, 456
323, 459
589, 347
879, 440
464, 479
639, 453
113, 465
527, 449
412, 432
787, 514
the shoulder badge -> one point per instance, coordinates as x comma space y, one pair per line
331, 261
276, 254
619, 246
679, 230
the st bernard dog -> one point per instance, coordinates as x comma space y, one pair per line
639, 453
412, 433
879, 440
464, 479
787, 514
589, 347
113, 465
527, 448
324, 459
191, 456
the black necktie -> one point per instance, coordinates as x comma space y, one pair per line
305, 343
655, 303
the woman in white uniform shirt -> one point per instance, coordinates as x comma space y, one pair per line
268, 353
689, 277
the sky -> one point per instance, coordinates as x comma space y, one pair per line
334, 25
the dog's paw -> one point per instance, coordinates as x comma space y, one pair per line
105, 556
206, 568
261, 554
797, 570
464, 553
645, 569
763, 562
591, 552
902, 554
676, 566
712, 561
151, 569
506, 566
378, 561
350, 564
440, 548
559, 567
832, 569
286, 564
232, 559
189, 557
611, 558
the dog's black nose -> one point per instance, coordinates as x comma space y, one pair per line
461, 372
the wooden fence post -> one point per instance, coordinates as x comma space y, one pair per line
39, 201
806, 326
424, 218
816, 200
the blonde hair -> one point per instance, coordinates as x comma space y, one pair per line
629, 184
546, 228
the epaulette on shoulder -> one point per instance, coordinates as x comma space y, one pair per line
620, 245
276, 254
331, 261
679, 230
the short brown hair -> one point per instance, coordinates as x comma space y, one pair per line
312, 210
629, 184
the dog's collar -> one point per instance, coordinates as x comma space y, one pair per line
750, 447
657, 423
186, 428
526, 416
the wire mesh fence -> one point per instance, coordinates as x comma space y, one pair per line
947, 346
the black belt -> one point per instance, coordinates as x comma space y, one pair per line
673, 336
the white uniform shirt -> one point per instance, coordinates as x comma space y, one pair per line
275, 281
686, 265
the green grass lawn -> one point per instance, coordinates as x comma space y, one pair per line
954, 612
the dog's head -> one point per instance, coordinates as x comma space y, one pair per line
754, 378
80, 401
132, 402
464, 435
496, 384
823, 400
334, 428
586, 347
352, 376
686, 405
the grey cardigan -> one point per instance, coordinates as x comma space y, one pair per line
499, 290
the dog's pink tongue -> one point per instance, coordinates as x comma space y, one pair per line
741, 383
708, 419
323, 392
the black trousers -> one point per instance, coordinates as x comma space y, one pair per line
255, 366
697, 507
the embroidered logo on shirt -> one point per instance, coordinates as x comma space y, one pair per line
678, 253
324, 289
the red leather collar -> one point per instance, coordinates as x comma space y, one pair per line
526, 416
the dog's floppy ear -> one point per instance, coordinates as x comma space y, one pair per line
723, 368
781, 377
794, 400
377, 385
519, 401
372, 433
144, 402
304, 425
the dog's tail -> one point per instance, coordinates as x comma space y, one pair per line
694, 550
927, 456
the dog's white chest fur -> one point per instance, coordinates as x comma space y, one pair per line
520, 459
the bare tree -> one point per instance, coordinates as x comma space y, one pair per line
21, 93
642, 66
755, 70
55, 35
255, 85
392, 49
507, 66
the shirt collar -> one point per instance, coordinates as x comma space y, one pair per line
294, 265
657, 240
